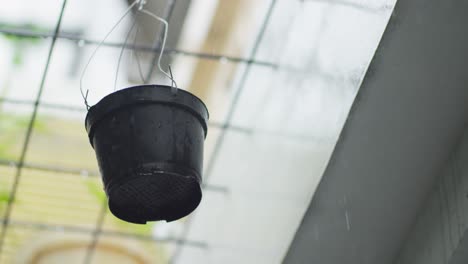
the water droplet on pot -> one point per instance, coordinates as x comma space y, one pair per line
81, 43
159, 124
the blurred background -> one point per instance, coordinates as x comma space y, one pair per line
278, 77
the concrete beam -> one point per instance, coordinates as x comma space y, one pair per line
406, 120
440, 234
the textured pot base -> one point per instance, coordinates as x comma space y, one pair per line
161, 196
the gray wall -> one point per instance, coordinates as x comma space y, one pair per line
409, 116
441, 228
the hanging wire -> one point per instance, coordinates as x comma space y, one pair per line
85, 96
168, 12
141, 9
166, 25
173, 84
121, 54
137, 58
135, 51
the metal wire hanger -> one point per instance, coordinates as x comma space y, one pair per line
141, 9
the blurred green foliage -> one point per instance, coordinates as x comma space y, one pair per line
20, 42
13, 127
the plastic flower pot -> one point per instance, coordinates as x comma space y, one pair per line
149, 146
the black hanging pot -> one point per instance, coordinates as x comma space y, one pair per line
149, 146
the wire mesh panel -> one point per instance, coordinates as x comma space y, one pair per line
58, 181
271, 73
48, 198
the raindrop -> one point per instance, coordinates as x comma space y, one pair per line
81, 43
348, 225
223, 60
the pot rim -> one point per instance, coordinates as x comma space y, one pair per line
145, 94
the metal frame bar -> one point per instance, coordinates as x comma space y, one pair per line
231, 110
352, 4
157, 44
147, 48
11, 198
83, 109
84, 172
96, 234
233, 106
217, 125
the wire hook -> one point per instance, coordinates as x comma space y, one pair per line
173, 83
121, 54
141, 9
137, 58
166, 25
85, 96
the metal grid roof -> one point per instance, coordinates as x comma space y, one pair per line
38, 177
20, 166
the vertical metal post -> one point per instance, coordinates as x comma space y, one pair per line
220, 140
32, 120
